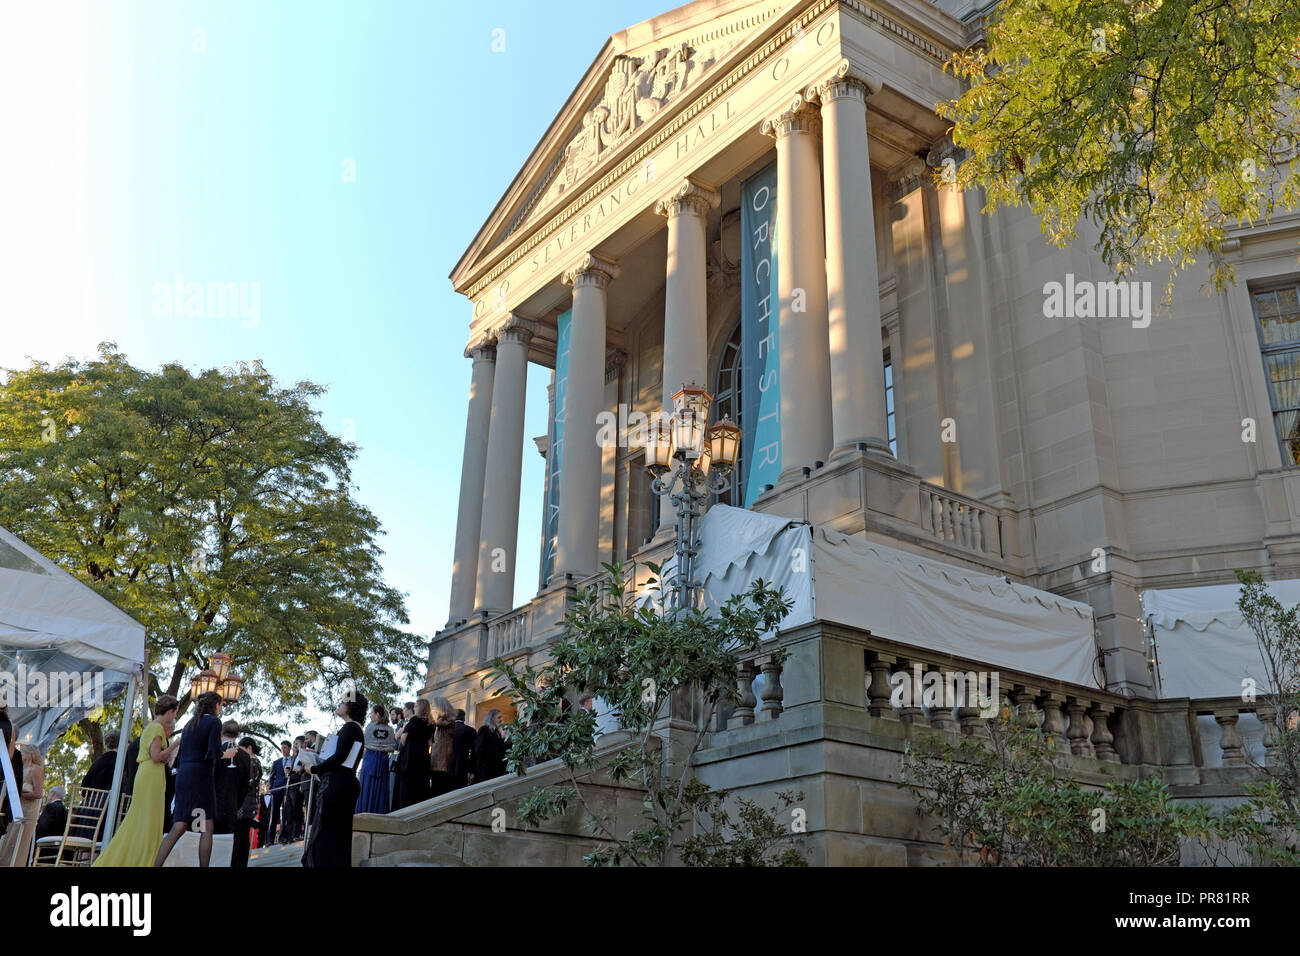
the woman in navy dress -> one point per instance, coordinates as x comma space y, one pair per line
196, 792
380, 742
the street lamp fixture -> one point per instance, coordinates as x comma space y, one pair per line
205, 682
689, 463
219, 662
231, 687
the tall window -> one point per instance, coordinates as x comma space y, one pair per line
727, 403
1277, 312
889, 404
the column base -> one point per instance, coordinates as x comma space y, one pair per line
877, 448
799, 472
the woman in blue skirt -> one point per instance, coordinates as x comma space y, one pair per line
196, 792
380, 743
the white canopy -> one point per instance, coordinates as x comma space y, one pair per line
1203, 647
52, 623
896, 594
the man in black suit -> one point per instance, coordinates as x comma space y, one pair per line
100, 774
54, 817
462, 751
279, 779
233, 771
131, 766
291, 828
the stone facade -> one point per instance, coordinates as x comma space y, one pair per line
1092, 457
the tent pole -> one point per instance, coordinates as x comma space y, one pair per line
119, 765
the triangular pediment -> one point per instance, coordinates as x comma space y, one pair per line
640, 73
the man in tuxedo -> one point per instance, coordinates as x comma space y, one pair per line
100, 774
54, 817
233, 771
462, 751
131, 766
278, 781
291, 827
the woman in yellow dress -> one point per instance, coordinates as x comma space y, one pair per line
136, 842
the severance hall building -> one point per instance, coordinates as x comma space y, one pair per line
750, 195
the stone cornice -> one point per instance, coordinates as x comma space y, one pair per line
591, 270
769, 43
689, 198
637, 149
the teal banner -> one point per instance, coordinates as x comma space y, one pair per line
555, 451
761, 357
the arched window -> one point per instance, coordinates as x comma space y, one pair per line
728, 403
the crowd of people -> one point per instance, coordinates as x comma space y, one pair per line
209, 780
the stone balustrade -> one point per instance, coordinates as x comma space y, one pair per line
959, 521
508, 634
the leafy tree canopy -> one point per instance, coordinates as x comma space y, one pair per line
216, 511
1165, 122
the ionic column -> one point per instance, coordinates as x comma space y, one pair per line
685, 298
852, 284
495, 590
801, 284
473, 468
577, 550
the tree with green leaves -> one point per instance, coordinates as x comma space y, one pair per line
1165, 122
1009, 800
215, 510
641, 662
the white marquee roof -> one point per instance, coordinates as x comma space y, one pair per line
897, 595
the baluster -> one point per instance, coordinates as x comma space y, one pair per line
1023, 698
1103, 742
744, 712
911, 712
1272, 737
879, 690
972, 725
773, 692
1230, 741
942, 714
978, 526
1054, 723
1077, 733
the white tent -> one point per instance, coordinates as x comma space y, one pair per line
1203, 647
56, 632
896, 594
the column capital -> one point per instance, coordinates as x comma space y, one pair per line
614, 365
911, 177
798, 117
843, 81
591, 270
482, 349
516, 329
688, 198
943, 150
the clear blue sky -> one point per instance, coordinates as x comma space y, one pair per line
137, 149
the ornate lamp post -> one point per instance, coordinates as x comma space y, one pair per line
218, 677
688, 464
